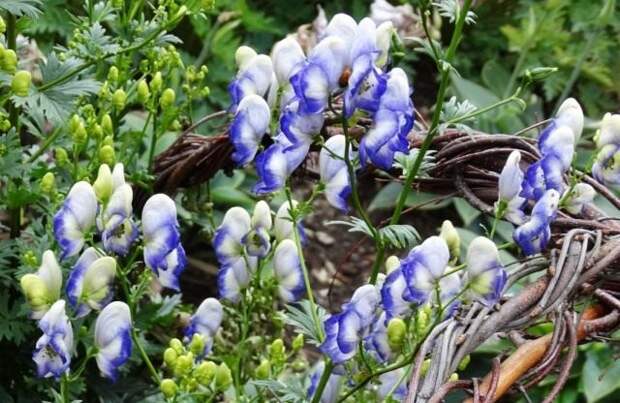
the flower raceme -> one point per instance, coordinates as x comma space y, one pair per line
90, 284
163, 252
113, 338
344, 331
206, 322
42, 288
52, 353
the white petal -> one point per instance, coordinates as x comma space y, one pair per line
283, 225
610, 130
571, 115
50, 273
482, 255
243, 56
287, 56
261, 217
511, 177
329, 164
114, 316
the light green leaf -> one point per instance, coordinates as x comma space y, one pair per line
467, 213
600, 376
388, 195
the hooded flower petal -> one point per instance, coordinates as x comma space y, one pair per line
42, 288
332, 388
118, 230
283, 223
377, 341
228, 238
392, 295
163, 252
113, 338
300, 127
250, 124
511, 177
90, 282
579, 196
254, 78
288, 57
423, 268
206, 322
258, 242
533, 235
52, 353
344, 331
486, 276
288, 271
75, 218
334, 172
606, 168
233, 277
277, 163
610, 130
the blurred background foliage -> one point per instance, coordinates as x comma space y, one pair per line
579, 37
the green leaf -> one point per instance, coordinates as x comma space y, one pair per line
388, 195
399, 236
29, 8
467, 213
13, 324
495, 77
300, 316
600, 376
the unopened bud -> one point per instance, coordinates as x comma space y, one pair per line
205, 92
454, 377
298, 342
143, 92
263, 370
48, 183
277, 349
156, 83
167, 98
177, 346
61, 156
97, 131
464, 363
396, 332
118, 99
35, 291
299, 365
207, 4
538, 73
449, 234
183, 365
2, 25
8, 62
106, 124
168, 388
103, 185
223, 377
197, 345
392, 263
106, 155
113, 74
425, 366
422, 322
170, 357
205, 372
79, 135
20, 84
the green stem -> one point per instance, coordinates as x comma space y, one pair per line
513, 98
64, 386
48, 141
145, 357
327, 371
432, 132
153, 139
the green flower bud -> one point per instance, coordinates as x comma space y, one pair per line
113, 74
422, 321
97, 131
298, 342
74, 123
263, 370
197, 345
106, 155
223, 377
396, 332
118, 99
205, 372
118, 3
2, 25
207, 4
454, 377
48, 183
392, 263
277, 350
205, 92
181, 12
183, 365
143, 92
177, 346
104, 91
464, 362
538, 73
425, 366
175, 125
20, 84
156, 83
108, 141
35, 291
30, 258
170, 357
8, 62
106, 124
103, 185
167, 98
79, 135
299, 365
61, 156
452, 238
168, 388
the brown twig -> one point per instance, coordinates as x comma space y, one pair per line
447, 387
568, 361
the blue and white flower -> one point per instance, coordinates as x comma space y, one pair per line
118, 231
90, 283
257, 241
255, 76
288, 57
288, 271
163, 252
376, 343
113, 338
533, 235
569, 115
393, 121
321, 74
42, 288
485, 274
510, 202
577, 197
206, 321
449, 286
75, 219
393, 294
423, 268
393, 380
332, 388
233, 278
344, 331
548, 173
606, 167
249, 125
334, 171
609, 132
367, 82
53, 350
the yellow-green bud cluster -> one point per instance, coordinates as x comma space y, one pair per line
61, 156
144, 93
107, 155
48, 184
396, 333
8, 60
20, 84
168, 388
119, 98
77, 131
